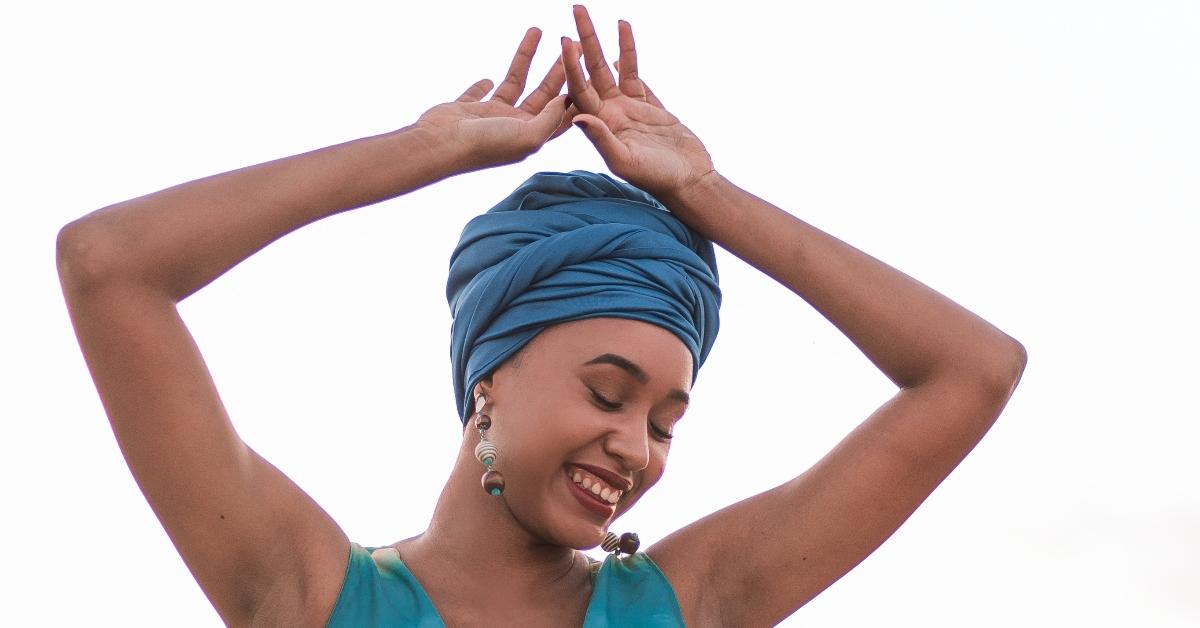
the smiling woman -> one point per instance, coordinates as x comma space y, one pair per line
583, 309
549, 421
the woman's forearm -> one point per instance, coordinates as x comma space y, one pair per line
908, 330
181, 238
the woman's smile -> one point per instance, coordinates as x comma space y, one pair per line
589, 499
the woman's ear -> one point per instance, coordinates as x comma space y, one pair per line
483, 387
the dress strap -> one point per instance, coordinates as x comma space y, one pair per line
632, 592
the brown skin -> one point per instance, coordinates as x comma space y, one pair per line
544, 415
266, 554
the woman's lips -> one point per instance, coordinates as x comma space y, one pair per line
587, 500
610, 478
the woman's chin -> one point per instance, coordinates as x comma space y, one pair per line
581, 534
573, 525
578, 531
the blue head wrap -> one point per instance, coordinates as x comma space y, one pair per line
569, 246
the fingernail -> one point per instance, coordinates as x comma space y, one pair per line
582, 126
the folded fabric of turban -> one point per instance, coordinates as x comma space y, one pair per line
570, 246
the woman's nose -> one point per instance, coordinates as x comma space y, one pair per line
631, 445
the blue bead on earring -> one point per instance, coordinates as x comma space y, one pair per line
485, 451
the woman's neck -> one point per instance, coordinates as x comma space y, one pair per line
475, 550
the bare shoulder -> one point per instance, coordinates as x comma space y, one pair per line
689, 575
757, 561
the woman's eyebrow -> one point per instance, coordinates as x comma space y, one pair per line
636, 371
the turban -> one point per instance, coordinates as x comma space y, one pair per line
570, 246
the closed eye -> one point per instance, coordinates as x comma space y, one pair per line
613, 406
610, 405
660, 433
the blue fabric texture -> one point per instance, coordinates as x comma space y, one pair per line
632, 592
569, 246
380, 592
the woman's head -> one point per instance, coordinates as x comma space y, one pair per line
611, 305
573, 246
598, 393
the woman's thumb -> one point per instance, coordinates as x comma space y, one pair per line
603, 139
550, 118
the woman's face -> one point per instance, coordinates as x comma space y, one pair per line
599, 392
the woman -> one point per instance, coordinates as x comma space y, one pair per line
559, 390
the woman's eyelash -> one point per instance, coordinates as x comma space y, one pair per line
611, 405
604, 402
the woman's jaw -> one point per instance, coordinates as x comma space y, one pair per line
578, 413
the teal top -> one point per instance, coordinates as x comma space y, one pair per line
380, 591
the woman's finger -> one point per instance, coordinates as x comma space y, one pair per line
610, 148
565, 124
477, 91
650, 97
627, 68
518, 71
602, 78
583, 95
545, 125
550, 87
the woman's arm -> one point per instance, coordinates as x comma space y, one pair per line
911, 332
955, 371
181, 238
261, 549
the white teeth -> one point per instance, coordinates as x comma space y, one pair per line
597, 488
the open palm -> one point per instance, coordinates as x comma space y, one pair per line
638, 138
493, 132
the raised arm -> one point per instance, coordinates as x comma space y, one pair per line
181, 238
955, 373
261, 549
757, 561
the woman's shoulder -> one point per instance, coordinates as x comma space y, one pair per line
594, 564
633, 591
378, 590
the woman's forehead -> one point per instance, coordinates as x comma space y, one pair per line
652, 348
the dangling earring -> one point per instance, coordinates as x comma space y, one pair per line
485, 451
627, 543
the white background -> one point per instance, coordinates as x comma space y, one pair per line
1034, 161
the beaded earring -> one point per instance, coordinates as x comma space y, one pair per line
493, 482
485, 451
627, 543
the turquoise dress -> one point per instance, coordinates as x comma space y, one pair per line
379, 590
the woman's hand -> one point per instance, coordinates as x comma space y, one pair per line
638, 138
494, 132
